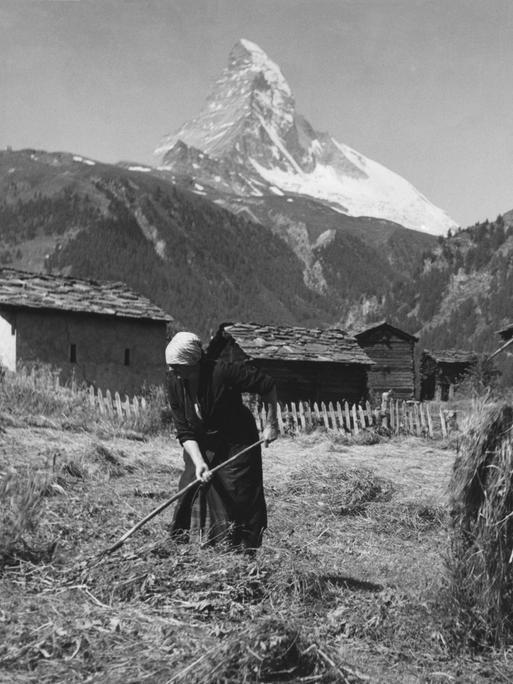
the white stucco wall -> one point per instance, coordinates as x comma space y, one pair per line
7, 345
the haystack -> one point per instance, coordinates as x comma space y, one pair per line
482, 529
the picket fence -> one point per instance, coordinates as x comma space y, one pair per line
112, 405
393, 417
423, 419
107, 403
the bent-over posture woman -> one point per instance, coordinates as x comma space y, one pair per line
212, 424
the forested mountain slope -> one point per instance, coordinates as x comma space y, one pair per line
299, 263
461, 293
200, 263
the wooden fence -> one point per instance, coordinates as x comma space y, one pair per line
111, 405
424, 419
394, 417
107, 403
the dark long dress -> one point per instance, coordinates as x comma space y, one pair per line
231, 507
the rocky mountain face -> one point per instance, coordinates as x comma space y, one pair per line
249, 142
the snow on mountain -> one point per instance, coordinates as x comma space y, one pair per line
249, 140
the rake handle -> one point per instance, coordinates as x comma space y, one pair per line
176, 496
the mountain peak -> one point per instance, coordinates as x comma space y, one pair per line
251, 136
246, 55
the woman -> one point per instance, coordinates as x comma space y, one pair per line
212, 424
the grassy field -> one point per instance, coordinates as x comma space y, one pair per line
348, 586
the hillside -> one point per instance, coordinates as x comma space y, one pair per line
462, 292
199, 262
295, 262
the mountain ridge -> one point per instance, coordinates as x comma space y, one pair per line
249, 140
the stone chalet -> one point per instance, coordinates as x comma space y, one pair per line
307, 364
102, 333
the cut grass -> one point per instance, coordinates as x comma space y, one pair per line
341, 594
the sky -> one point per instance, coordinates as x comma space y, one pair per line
424, 87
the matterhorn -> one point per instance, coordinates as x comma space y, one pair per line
249, 141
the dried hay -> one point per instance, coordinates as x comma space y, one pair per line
110, 462
340, 491
21, 507
481, 569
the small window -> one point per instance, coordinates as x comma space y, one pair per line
127, 357
73, 353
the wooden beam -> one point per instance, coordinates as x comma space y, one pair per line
501, 348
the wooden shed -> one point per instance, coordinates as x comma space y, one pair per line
307, 364
101, 333
392, 350
442, 371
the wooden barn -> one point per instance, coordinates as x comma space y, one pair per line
98, 332
442, 371
307, 364
392, 350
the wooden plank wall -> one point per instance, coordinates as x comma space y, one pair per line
317, 381
394, 367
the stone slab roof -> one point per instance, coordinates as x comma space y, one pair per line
296, 344
361, 332
452, 356
21, 289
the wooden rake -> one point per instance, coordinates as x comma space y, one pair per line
168, 502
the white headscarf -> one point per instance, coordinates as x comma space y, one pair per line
184, 349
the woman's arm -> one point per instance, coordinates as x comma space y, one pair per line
184, 432
191, 446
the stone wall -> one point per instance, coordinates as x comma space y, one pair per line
93, 348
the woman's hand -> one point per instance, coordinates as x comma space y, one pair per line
270, 433
203, 472
191, 446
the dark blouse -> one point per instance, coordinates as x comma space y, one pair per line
219, 394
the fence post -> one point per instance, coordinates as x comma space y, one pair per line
417, 419
325, 416
442, 424
302, 416
294, 417
362, 416
308, 414
355, 420
422, 418
317, 412
340, 416
280, 418
429, 421
369, 413
391, 408
347, 416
